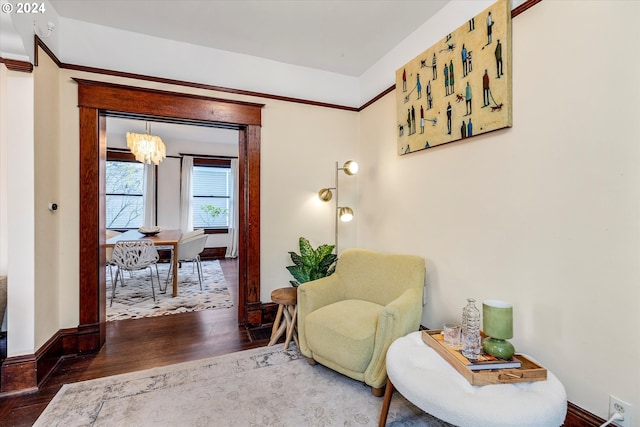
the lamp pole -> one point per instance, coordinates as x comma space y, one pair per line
336, 210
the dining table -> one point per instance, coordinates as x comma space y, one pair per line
163, 238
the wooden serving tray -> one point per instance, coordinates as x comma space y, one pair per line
529, 371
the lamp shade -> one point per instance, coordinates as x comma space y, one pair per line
351, 167
497, 319
325, 194
146, 148
345, 214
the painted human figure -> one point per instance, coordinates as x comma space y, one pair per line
485, 88
413, 120
469, 128
421, 119
448, 118
451, 76
489, 27
429, 99
469, 66
498, 53
409, 120
472, 24
434, 67
418, 86
463, 54
467, 98
446, 79
404, 80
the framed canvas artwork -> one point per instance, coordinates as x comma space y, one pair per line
460, 87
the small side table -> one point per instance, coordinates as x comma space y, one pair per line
287, 299
428, 381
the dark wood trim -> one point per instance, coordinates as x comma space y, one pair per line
213, 253
15, 65
216, 231
578, 417
380, 95
92, 220
62, 344
251, 220
38, 43
208, 156
122, 155
160, 103
25, 373
523, 7
211, 161
19, 374
96, 100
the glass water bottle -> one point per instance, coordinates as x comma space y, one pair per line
471, 343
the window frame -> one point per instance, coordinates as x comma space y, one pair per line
214, 162
114, 155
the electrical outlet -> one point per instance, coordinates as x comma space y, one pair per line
621, 407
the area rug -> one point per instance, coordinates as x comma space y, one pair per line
135, 300
267, 386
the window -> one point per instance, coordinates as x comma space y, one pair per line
125, 195
211, 183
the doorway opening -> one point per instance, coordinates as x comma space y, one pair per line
195, 187
96, 101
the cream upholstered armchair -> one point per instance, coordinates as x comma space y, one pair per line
348, 320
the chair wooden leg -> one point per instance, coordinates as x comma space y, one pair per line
386, 403
311, 361
377, 392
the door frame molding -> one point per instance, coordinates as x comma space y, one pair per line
96, 100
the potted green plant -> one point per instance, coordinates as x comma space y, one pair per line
311, 264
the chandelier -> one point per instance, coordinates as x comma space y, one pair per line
145, 147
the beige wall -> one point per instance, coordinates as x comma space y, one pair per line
300, 145
544, 214
18, 237
47, 248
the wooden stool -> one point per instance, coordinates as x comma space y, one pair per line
287, 299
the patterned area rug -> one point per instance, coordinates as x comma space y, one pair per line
134, 300
267, 386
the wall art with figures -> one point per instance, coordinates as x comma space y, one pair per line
460, 87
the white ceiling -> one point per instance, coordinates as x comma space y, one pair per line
341, 36
170, 132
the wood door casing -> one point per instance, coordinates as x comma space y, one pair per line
96, 100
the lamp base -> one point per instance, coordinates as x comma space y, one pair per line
502, 349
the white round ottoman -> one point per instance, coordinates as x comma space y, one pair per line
428, 381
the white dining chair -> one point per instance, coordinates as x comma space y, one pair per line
109, 251
132, 255
189, 250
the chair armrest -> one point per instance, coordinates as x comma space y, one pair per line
312, 296
398, 318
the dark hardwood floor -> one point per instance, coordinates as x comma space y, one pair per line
133, 345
